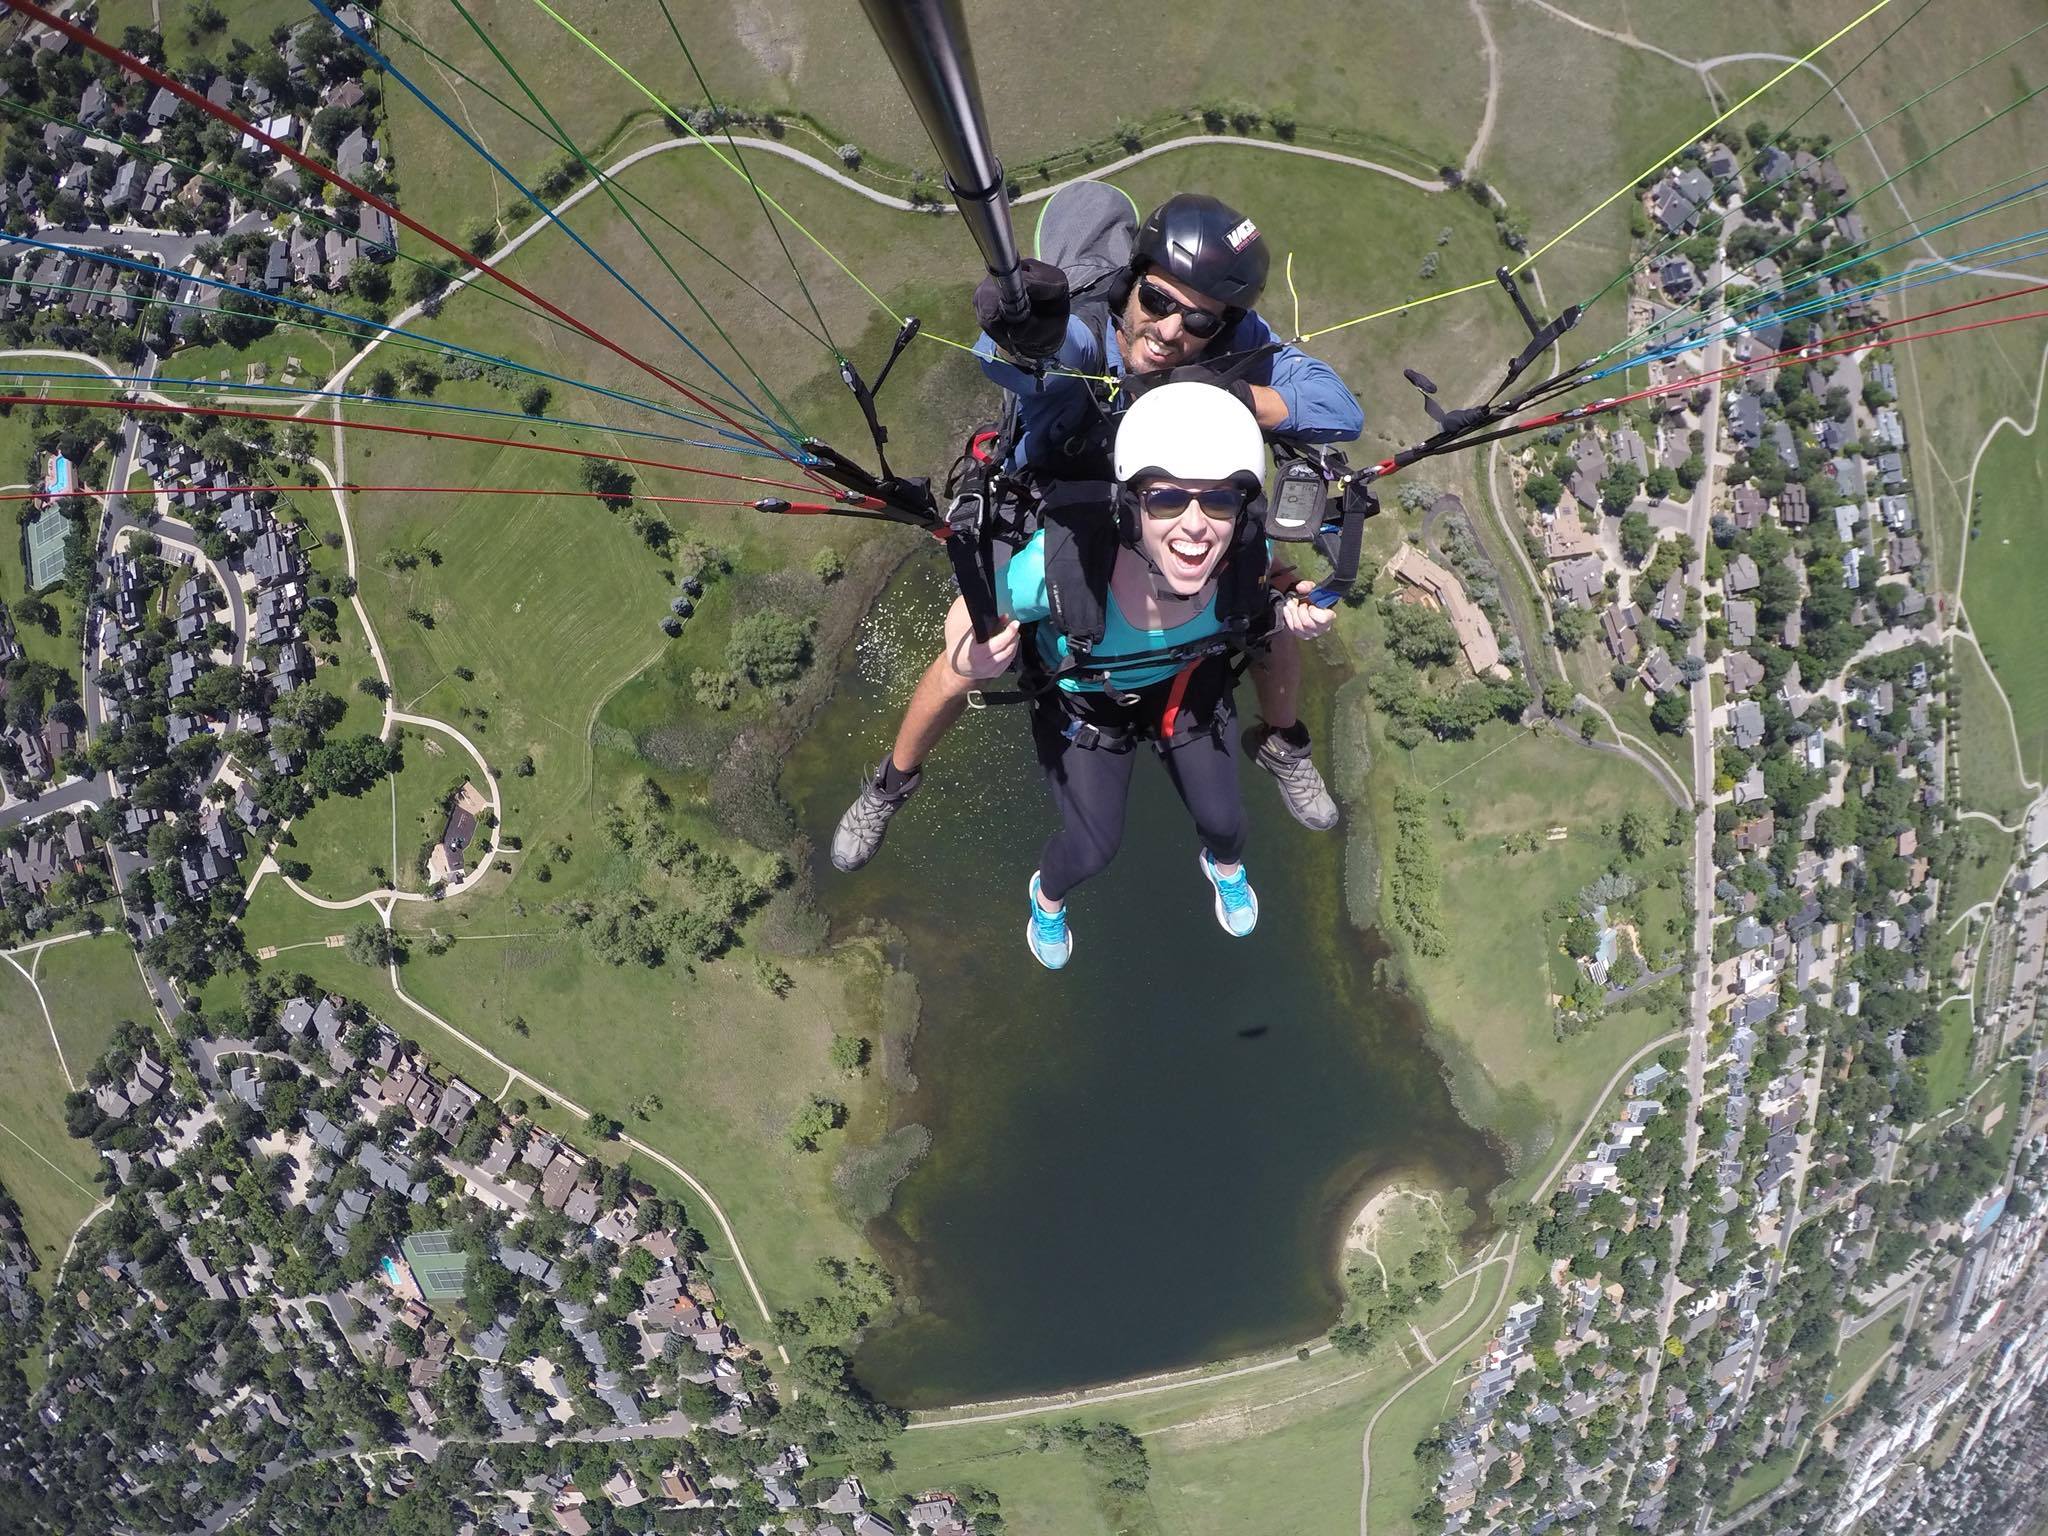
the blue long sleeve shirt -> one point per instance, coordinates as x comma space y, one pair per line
1057, 407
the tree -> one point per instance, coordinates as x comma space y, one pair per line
1661, 482
1574, 624
770, 648
1544, 490
827, 566
1420, 635
1638, 538
1635, 833
535, 400
613, 484
849, 1054
813, 1121
350, 766
1620, 487
369, 944
1670, 713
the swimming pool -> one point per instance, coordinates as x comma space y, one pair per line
391, 1271
60, 476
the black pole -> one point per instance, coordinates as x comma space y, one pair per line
927, 42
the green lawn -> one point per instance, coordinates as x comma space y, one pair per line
320, 353
1766, 1477
253, 20
358, 843
92, 985
1991, 777
2007, 563
1857, 1356
51, 1176
1275, 1450
1422, 87
1490, 992
1948, 1069
2007, 1093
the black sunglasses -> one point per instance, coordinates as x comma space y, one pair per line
1199, 323
1169, 501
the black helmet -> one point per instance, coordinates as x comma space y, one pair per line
1206, 244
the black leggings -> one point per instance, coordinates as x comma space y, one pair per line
1090, 786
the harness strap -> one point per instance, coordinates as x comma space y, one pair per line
1170, 716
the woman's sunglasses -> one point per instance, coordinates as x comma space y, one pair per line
1169, 501
1199, 323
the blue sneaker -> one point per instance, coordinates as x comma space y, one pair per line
1237, 904
1051, 942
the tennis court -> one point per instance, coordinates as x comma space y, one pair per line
436, 1263
46, 537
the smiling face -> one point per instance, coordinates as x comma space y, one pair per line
1186, 545
1154, 344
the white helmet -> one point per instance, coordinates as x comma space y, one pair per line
1190, 431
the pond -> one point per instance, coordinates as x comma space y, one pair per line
1149, 1159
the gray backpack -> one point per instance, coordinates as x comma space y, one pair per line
1086, 229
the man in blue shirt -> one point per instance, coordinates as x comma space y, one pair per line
1146, 300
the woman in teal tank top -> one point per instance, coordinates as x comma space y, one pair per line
1190, 460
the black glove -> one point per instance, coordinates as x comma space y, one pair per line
1135, 384
1039, 334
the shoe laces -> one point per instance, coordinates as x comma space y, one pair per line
872, 810
1051, 926
1236, 890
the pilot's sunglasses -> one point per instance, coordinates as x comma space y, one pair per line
1158, 303
1169, 501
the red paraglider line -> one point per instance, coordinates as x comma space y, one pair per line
159, 407
127, 61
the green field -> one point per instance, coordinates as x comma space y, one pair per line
1948, 1069
92, 985
184, 44
1489, 994
1766, 1477
1420, 107
51, 1177
348, 839
1280, 1446
1991, 776
2007, 564
1855, 1357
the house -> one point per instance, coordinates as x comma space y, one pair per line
1446, 593
1746, 418
1781, 440
163, 106
1620, 632
1740, 613
1743, 671
1670, 608
1578, 581
1793, 510
353, 155
1673, 211
1746, 724
1749, 507
1679, 279
1566, 538
1628, 448
1739, 576
1660, 672
464, 809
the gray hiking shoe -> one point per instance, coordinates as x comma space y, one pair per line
866, 822
1308, 800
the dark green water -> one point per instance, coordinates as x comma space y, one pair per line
1147, 1160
